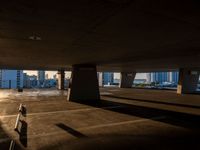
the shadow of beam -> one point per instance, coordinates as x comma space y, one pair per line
71, 130
152, 101
180, 119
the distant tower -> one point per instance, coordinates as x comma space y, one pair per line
148, 76
173, 76
41, 77
11, 79
108, 78
157, 77
46, 76
162, 77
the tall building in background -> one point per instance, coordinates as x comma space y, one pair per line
108, 78
174, 76
11, 79
162, 77
30, 81
41, 78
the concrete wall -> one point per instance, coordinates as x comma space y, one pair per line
188, 80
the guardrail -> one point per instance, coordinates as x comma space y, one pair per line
22, 111
12, 145
17, 122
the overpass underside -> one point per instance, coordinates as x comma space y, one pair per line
126, 36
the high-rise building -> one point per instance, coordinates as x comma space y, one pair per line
108, 78
41, 78
162, 77
174, 76
11, 79
30, 81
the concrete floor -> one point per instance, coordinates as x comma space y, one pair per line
124, 119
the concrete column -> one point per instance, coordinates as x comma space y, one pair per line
126, 79
61, 79
188, 80
100, 79
84, 85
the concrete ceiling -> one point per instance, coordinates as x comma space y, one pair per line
117, 35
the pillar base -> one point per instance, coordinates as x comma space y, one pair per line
127, 79
188, 81
84, 86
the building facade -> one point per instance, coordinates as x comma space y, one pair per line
11, 79
30, 81
41, 78
108, 78
162, 77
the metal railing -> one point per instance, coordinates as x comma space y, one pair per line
22, 111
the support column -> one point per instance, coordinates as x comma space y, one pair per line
188, 80
100, 79
84, 85
126, 79
61, 79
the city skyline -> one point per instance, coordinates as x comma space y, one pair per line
50, 73
68, 74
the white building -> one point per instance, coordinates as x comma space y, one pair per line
11, 79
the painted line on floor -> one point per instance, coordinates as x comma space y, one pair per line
64, 111
91, 127
122, 123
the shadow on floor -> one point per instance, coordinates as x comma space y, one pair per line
180, 119
23, 133
71, 130
5, 140
152, 101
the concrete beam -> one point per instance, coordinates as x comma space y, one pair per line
84, 85
126, 79
188, 80
61, 79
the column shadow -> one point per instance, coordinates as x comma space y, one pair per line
180, 119
152, 101
71, 130
23, 133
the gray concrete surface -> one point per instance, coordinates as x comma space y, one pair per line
124, 119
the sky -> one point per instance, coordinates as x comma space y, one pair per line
50, 73
68, 74
138, 76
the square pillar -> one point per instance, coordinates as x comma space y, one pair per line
100, 79
61, 79
126, 79
84, 85
188, 80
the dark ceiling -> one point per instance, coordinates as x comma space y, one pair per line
116, 35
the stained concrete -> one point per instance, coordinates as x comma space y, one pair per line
123, 119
